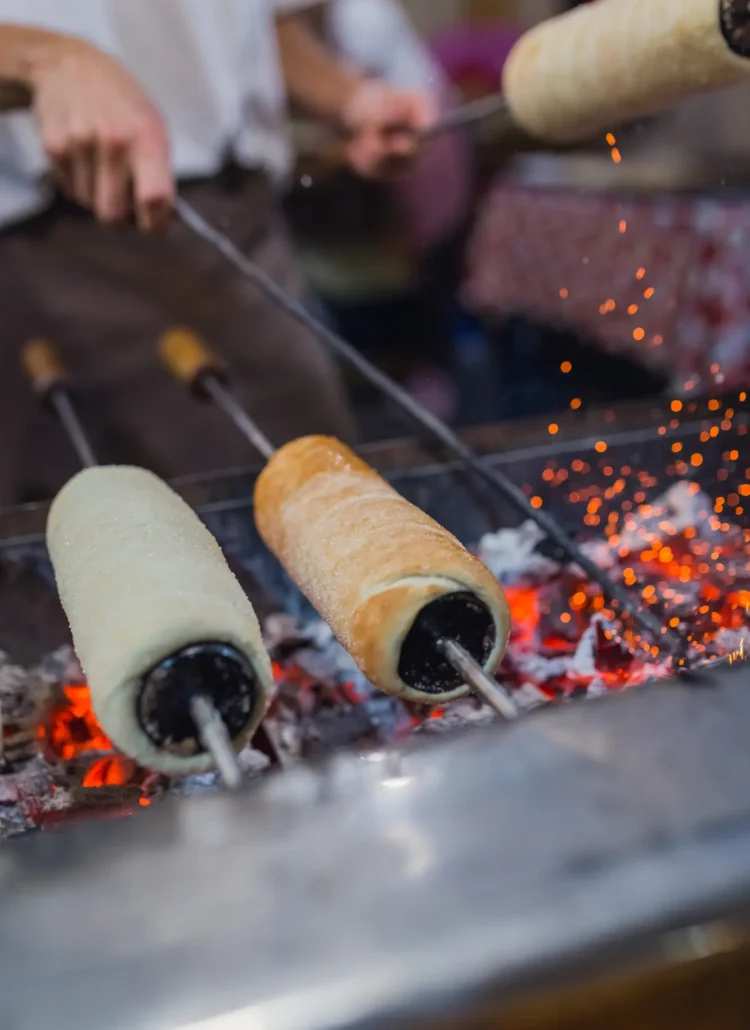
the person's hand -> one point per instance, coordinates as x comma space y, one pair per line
384, 125
106, 140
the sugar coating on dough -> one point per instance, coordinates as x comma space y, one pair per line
602, 64
367, 558
140, 577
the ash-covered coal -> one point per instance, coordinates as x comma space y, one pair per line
679, 554
56, 763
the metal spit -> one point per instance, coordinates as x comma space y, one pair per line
614, 592
201, 371
532, 111
557, 91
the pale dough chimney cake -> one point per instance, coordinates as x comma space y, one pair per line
141, 579
612, 61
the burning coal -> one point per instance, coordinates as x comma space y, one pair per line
687, 564
681, 554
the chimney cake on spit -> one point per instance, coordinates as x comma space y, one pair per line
386, 577
157, 617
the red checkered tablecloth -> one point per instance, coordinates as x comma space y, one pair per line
664, 279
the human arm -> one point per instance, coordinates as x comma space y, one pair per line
106, 141
434, 194
382, 123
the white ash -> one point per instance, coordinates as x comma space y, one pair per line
528, 696
188, 785
324, 667
14, 822
690, 593
17, 702
325, 659
583, 661
281, 629
511, 555
328, 664
289, 737
337, 658
58, 800
537, 667
580, 665
681, 507
599, 552
734, 641
24, 693
597, 688
35, 778
24, 697
253, 764
458, 715
472, 712
31, 787
60, 667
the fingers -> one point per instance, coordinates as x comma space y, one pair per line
62, 171
365, 153
388, 125
425, 111
153, 181
83, 173
55, 132
105, 139
400, 144
111, 199
112, 176
410, 115
113, 166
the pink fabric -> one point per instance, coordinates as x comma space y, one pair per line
475, 53
434, 195
587, 261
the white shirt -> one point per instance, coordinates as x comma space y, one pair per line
378, 36
211, 66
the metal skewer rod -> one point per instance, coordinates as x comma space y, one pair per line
553, 44
50, 382
225, 401
615, 593
213, 734
485, 686
44, 367
61, 402
195, 365
468, 114
520, 114
505, 133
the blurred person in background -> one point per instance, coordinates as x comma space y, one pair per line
376, 35
130, 100
433, 196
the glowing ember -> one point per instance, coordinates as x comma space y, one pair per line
683, 561
109, 772
73, 729
680, 554
73, 732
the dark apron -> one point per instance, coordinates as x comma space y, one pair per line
106, 294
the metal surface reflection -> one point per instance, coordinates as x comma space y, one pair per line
327, 898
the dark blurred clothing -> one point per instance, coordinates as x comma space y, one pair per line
106, 295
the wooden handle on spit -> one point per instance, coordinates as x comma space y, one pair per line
43, 364
188, 358
613, 61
